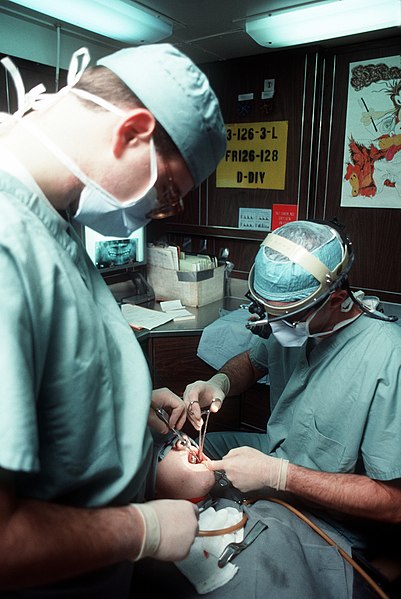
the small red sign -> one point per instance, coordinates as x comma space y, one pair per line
283, 213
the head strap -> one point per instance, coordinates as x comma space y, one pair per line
298, 254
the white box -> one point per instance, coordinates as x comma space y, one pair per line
192, 288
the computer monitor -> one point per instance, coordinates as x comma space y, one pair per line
111, 254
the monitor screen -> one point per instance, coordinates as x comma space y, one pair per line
115, 253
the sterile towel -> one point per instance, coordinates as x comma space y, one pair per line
200, 567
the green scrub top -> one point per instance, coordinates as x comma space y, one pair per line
75, 386
336, 407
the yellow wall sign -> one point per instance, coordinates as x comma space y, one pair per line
256, 156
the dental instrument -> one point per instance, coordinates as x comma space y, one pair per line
234, 549
163, 416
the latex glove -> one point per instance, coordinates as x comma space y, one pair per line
170, 528
174, 406
249, 469
202, 394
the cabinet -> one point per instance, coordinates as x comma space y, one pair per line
173, 363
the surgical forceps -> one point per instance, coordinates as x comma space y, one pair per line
234, 549
202, 436
163, 416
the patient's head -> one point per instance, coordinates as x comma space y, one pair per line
179, 476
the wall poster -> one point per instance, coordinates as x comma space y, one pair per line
256, 156
372, 153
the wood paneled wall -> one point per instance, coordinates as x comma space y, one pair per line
311, 94
375, 232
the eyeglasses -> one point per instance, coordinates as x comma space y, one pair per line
170, 202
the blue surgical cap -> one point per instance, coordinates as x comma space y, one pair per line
277, 278
181, 99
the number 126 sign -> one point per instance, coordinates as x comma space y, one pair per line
256, 156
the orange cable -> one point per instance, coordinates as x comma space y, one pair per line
223, 531
330, 541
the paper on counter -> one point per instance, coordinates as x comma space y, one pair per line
183, 314
170, 305
175, 309
144, 318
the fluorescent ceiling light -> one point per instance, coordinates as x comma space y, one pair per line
118, 19
323, 21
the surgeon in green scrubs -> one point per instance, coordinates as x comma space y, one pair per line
333, 438
121, 144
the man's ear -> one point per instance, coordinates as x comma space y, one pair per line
138, 125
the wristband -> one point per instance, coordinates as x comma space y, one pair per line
151, 537
221, 380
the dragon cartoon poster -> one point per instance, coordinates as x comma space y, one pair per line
372, 153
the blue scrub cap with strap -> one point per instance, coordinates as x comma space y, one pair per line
181, 99
277, 278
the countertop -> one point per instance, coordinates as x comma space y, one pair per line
204, 315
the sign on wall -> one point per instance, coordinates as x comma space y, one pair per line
283, 214
256, 156
372, 153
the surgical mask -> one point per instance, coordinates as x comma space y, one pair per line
296, 335
97, 209
102, 212
287, 335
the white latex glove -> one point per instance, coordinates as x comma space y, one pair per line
170, 528
202, 394
249, 469
174, 406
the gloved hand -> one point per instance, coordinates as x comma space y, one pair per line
202, 394
170, 528
174, 406
249, 469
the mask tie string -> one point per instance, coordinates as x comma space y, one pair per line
37, 98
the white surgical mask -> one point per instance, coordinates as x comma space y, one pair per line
287, 335
102, 212
295, 336
96, 211
97, 208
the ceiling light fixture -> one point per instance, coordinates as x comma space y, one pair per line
322, 21
117, 19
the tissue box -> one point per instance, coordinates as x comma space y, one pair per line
192, 288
